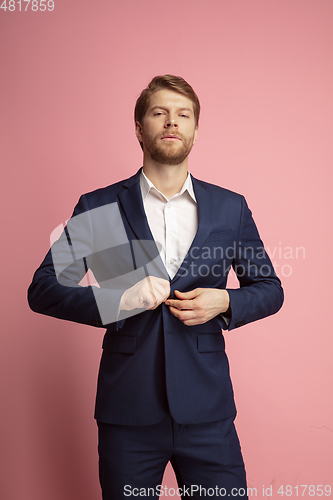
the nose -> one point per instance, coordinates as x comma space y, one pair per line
171, 122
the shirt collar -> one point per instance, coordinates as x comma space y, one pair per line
146, 185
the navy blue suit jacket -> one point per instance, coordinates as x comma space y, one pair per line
152, 363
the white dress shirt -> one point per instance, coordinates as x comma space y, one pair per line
173, 222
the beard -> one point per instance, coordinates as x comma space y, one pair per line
168, 153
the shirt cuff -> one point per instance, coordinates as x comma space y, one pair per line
226, 319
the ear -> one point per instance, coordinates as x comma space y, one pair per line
138, 131
195, 134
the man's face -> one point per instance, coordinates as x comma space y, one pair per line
168, 131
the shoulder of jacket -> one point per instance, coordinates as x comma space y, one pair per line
108, 194
213, 189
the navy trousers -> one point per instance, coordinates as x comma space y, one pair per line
206, 458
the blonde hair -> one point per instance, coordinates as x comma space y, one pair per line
170, 82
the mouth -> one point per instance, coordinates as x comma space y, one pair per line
171, 137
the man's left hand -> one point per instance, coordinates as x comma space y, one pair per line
199, 305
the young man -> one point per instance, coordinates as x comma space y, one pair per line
160, 245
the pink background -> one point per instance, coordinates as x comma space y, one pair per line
69, 79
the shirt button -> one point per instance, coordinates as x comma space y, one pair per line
171, 233
172, 261
169, 205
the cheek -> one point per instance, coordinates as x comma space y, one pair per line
190, 131
151, 132
152, 126
190, 137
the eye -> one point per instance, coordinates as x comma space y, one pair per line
184, 116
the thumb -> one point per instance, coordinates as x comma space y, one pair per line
186, 295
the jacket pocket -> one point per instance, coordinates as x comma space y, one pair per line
210, 342
119, 343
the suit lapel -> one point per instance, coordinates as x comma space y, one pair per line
146, 252
131, 202
204, 226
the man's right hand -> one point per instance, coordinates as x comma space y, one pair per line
148, 293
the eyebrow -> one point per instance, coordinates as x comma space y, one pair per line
166, 109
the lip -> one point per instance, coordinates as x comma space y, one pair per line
171, 137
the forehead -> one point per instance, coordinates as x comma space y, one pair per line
169, 99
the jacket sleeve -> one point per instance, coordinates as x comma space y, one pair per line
55, 289
260, 293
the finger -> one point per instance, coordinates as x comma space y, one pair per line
174, 303
155, 292
187, 295
165, 283
159, 292
148, 300
182, 304
162, 285
182, 315
162, 288
162, 281
193, 322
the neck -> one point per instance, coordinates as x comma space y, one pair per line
168, 179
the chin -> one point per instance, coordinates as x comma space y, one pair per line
168, 154
170, 160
